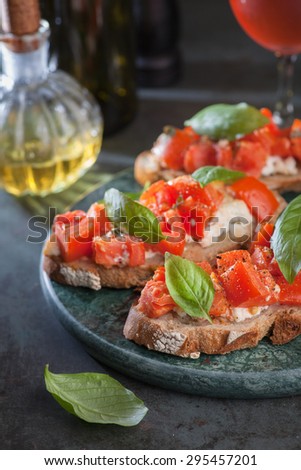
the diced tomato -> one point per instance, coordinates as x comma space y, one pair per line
214, 194
155, 299
224, 154
220, 304
249, 157
159, 197
136, 249
110, 251
70, 217
243, 286
166, 198
224, 261
281, 147
196, 204
290, 294
195, 219
260, 200
118, 251
75, 241
263, 236
270, 284
174, 151
184, 204
271, 126
186, 186
295, 136
263, 258
159, 274
98, 219
174, 243
206, 267
200, 154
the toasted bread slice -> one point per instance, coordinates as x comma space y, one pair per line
85, 273
147, 169
181, 335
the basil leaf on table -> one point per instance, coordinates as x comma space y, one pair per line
227, 121
207, 174
286, 240
95, 398
132, 217
189, 286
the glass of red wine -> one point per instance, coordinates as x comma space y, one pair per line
275, 25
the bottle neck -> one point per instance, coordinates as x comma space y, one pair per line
26, 66
25, 58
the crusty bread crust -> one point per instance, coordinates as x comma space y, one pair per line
181, 335
147, 169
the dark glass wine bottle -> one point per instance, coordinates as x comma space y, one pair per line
93, 40
157, 40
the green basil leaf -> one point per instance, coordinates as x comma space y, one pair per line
227, 121
189, 286
95, 398
286, 240
131, 217
207, 174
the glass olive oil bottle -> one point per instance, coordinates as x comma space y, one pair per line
50, 127
94, 41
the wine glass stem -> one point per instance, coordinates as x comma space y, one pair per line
284, 108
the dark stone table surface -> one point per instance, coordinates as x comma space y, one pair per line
219, 63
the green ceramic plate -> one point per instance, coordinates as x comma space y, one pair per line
97, 319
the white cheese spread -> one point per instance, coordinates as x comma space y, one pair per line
232, 220
160, 144
241, 314
280, 166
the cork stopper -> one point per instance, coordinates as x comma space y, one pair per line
20, 17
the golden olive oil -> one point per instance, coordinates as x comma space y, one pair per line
48, 175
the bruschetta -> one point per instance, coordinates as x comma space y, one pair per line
266, 152
195, 221
250, 299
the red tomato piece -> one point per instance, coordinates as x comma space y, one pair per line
118, 251
281, 146
249, 157
159, 274
155, 299
260, 200
174, 243
110, 251
206, 267
224, 261
136, 249
159, 197
200, 154
290, 294
100, 224
75, 241
224, 154
243, 286
174, 152
269, 282
220, 304
263, 258
70, 217
295, 136
263, 236
213, 194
